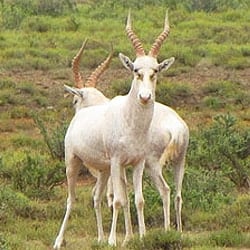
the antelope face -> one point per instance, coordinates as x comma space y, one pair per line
146, 67
145, 70
85, 97
145, 76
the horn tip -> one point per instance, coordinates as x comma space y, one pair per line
84, 43
128, 19
166, 19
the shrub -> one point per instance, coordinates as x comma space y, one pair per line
157, 240
12, 201
120, 88
53, 138
173, 94
32, 174
227, 238
37, 24
205, 189
6, 83
235, 215
223, 148
20, 112
213, 102
4, 245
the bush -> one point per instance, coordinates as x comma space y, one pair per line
173, 94
235, 215
157, 240
213, 102
120, 87
4, 245
226, 238
12, 201
53, 138
206, 190
222, 148
33, 175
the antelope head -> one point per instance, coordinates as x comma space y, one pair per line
146, 67
86, 94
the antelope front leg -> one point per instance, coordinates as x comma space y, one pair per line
72, 170
118, 179
139, 200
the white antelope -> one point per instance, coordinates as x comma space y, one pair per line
111, 136
86, 94
165, 121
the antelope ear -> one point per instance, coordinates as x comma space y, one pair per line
128, 64
73, 91
166, 64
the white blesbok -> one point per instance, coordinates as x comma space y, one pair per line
165, 121
86, 94
111, 136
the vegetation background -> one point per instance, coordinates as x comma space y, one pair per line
208, 86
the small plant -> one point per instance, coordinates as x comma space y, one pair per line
213, 102
54, 139
173, 94
157, 240
120, 88
12, 202
3, 243
227, 238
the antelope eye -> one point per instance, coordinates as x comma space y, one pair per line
153, 76
139, 76
74, 102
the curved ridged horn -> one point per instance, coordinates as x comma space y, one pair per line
134, 39
154, 51
75, 66
92, 79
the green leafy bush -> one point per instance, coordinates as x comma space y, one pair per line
213, 102
173, 94
4, 245
120, 87
236, 215
32, 174
206, 190
227, 238
222, 148
157, 240
12, 202
54, 138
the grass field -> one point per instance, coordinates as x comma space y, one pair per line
208, 85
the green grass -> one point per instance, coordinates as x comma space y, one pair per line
44, 42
